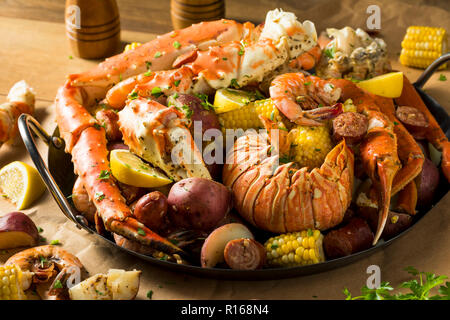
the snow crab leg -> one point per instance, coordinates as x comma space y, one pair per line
84, 137
261, 50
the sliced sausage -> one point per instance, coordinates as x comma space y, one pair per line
109, 120
151, 210
351, 126
245, 254
353, 237
414, 120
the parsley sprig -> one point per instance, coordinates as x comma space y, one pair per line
420, 288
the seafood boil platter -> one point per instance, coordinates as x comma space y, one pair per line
240, 151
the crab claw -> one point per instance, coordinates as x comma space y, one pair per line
380, 159
386, 171
160, 136
132, 229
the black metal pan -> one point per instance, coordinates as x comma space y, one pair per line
59, 177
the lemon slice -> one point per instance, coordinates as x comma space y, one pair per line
231, 99
388, 85
130, 169
21, 183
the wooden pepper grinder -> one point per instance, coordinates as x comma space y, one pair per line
93, 28
186, 12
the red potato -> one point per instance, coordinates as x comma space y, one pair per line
427, 183
17, 230
395, 223
245, 254
151, 210
198, 203
214, 246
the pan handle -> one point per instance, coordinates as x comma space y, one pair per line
431, 69
27, 126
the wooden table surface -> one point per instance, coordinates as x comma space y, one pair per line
37, 51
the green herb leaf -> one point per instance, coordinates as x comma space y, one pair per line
133, 95
329, 52
176, 82
156, 92
150, 294
57, 285
55, 242
104, 175
157, 54
141, 232
99, 196
40, 230
442, 77
177, 45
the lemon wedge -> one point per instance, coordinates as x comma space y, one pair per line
130, 169
21, 183
226, 100
388, 85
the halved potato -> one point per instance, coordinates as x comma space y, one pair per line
116, 285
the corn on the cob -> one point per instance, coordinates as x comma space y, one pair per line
11, 283
295, 249
131, 46
422, 45
310, 145
247, 116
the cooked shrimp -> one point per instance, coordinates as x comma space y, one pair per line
40, 264
44, 261
292, 93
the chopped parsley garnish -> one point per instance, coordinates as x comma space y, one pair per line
120, 77
329, 52
158, 54
176, 95
442, 77
55, 242
205, 103
274, 246
234, 83
148, 73
224, 58
99, 196
58, 285
148, 64
40, 230
307, 83
272, 115
177, 83
156, 92
310, 233
141, 232
177, 45
133, 95
70, 57
104, 174
42, 260
150, 294
188, 111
